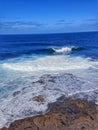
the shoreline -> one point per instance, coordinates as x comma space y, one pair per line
65, 114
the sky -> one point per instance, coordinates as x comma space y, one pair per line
48, 16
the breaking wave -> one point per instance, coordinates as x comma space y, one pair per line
44, 51
62, 50
67, 50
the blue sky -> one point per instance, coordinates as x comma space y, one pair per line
48, 16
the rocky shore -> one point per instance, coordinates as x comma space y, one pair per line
65, 114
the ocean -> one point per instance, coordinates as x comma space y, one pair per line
46, 65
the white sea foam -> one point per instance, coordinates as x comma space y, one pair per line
51, 63
21, 83
63, 50
67, 49
50, 87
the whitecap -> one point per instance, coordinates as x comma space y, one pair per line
51, 64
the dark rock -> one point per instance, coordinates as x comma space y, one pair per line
59, 117
39, 98
16, 93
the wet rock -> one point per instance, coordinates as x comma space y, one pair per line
39, 81
39, 98
16, 93
83, 116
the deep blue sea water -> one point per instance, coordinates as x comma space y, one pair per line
29, 64
12, 46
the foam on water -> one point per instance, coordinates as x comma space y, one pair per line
64, 50
67, 49
50, 76
51, 63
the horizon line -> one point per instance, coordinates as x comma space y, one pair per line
48, 33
